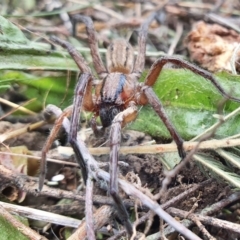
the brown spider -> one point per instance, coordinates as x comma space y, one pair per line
117, 95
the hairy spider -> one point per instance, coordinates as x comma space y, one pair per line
118, 94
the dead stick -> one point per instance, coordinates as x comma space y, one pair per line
207, 220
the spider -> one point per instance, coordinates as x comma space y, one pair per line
117, 95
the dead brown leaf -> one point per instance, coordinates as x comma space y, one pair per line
212, 46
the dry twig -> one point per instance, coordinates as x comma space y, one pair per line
233, 227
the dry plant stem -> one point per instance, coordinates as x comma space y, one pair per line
166, 205
209, 17
201, 227
117, 235
18, 107
6, 136
89, 210
152, 149
234, 59
216, 207
161, 148
196, 5
233, 227
162, 230
206, 211
41, 215
39, 158
101, 217
212, 17
66, 209
233, 136
109, 11
136, 216
103, 50
176, 39
148, 223
216, 7
25, 230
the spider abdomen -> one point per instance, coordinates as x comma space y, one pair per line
120, 56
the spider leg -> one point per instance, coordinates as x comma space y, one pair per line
159, 109
158, 65
97, 132
93, 43
51, 112
142, 39
122, 118
88, 104
81, 88
82, 99
77, 57
78, 103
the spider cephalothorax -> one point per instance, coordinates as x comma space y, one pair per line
117, 95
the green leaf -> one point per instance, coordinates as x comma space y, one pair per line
11, 33
231, 158
190, 102
217, 170
169, 160
9, 232
51, 89
17, 52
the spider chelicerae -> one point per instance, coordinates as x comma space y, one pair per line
116, 95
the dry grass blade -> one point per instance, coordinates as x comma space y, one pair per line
41, 215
